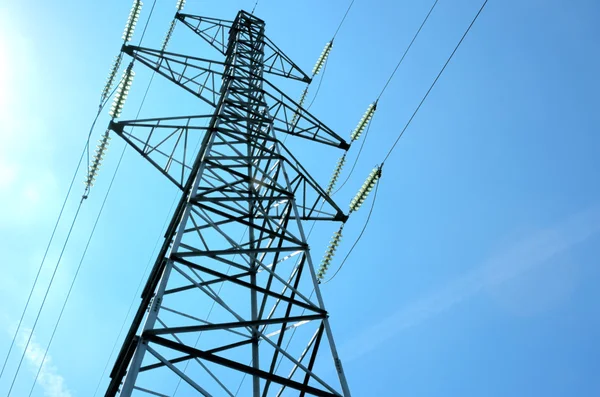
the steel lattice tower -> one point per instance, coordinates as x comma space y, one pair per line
236, 241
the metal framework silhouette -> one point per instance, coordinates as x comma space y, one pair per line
235, 247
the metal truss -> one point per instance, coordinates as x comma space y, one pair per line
234, 277
214, 32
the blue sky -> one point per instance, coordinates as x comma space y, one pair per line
478, 271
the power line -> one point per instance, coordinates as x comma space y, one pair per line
41, 265
85, 149
343, 19
385, 87
45, 297
76, 274
57, 262
90, 236
435, 81
407, 49
411, 118
147, 23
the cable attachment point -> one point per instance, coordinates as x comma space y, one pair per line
364, 122
97, 161
366, 188
336, 174
122, 92
322, 58
134, 16
329, 253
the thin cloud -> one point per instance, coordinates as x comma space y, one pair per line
49, 379
519, 258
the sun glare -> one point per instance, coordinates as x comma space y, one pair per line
4, 69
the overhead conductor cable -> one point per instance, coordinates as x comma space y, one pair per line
373, 178
92, 171
97, 159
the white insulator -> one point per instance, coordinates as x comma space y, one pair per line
122, 92
336, 174
180, 5
303, 97
329, 253
97, 159
365, 189
298, 111
110, 81
322, 58
364, 121
134, 16
168, 36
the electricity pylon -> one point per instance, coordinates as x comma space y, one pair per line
235, 247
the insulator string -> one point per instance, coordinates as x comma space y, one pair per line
322, 58
359, 236
132, 19
365, 189
319, 85
355, 159
329, 253
336, 174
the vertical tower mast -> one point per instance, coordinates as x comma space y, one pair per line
235, 247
